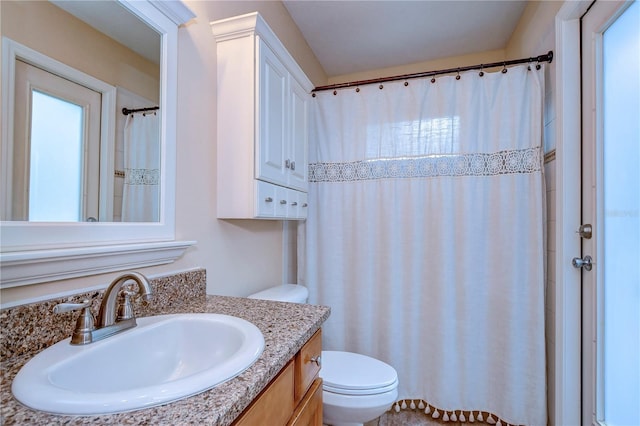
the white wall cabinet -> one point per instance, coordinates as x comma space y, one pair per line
263, 112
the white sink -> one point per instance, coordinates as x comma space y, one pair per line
163, 359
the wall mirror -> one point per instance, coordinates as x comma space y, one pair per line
117, 204
71, 154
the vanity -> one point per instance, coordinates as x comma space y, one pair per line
284, 376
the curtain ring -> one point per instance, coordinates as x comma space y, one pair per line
406, 83
381, 87
504, 68
357, 90
335, 92
538, 65
313, 95
458, 76
481, 73
433, 79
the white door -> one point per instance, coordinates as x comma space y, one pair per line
272, 115
610, 256
56, 148
297, 153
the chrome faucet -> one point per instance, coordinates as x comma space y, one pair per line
116, 310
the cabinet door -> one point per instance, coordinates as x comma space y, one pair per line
307, 363
297, 153
274, 405
272, 123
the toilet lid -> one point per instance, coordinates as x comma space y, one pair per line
356, 374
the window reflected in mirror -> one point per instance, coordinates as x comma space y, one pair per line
56, 139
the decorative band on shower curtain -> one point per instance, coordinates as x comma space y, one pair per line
141, 190
425, 236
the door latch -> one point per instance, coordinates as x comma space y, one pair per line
585, 263
585, 231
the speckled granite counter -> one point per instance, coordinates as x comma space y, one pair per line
285, 326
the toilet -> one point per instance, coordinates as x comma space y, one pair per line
356, 388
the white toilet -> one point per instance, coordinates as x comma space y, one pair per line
356, 388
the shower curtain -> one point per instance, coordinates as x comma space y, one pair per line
425, 236
141, 190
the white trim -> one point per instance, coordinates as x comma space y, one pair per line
568, 282
6, 155
177, 11
35, 266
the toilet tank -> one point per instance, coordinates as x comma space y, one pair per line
293, 293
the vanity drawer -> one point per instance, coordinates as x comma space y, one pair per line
275, 404
266, 199
309, 412
307, 364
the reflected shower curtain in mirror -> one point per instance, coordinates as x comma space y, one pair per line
141, 191
425, 236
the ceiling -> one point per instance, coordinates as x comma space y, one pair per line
354, 36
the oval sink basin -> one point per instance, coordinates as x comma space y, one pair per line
163, 359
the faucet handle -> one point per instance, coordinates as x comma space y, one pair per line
125, 308
68, 307
84, 324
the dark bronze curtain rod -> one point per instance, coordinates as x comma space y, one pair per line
536, 59
127, 111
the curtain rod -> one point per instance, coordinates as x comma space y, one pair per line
127, 111
542, 58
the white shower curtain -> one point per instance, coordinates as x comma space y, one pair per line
425, 236
141, 191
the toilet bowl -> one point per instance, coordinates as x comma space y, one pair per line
355, 388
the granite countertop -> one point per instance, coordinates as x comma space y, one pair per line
285, 326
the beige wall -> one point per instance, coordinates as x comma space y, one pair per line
49, 30
240, 257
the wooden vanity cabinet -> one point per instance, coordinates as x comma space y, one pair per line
294, 396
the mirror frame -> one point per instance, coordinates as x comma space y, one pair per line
35, 252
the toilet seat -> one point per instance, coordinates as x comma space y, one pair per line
348, 373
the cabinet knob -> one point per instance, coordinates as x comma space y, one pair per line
295, 203
304, 205
287, 163
317, 359
293, 165
268, 199
283, 201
